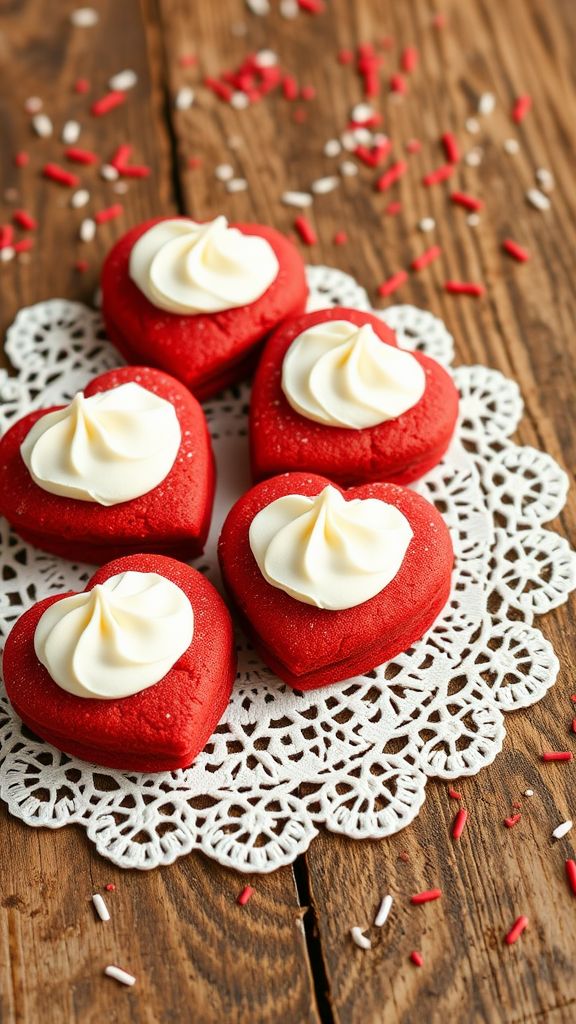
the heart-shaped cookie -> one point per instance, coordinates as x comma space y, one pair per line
206, 351
398, 450
310, 646
161, 728
171, 518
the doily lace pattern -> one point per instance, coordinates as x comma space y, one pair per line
354, 757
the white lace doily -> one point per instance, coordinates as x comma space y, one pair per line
354, 757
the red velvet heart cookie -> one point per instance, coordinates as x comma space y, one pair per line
397, 450
160, 728
309, 646
171, 518
206, 351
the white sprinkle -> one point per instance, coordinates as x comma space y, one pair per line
473, 158
348, 140
361, 112
537, 199
472, 126
473, 220
109, 173
299, 199
79, 198
562, 830
42, 125
87, 230
239, 101
332, 148
266, 58
360, 939
120, 188
348, 169
33, 104
7, 254
528, 792
427, 224
123, 80
119, 975
511, 146
234, 142
486, 103
259, 7
184, 98
239, 29
385, 908
289, 8
545, 179
236, 185
363, 136
224, 172
100, 907
322, 186
84, 17
71, 132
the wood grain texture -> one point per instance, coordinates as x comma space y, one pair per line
179, 929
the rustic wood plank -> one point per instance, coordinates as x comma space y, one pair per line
525, 328
195, 953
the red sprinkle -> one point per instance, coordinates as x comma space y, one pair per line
21, 159
308, 92
374, 156
426, 897
440, 174
426, 257
558, 755
340, 238
81, 266
245, 895
80, 156
108, 214
417, 958
25, 220
6, 236
110, 887
59, 174
194, 162
345, 56
300, 115
464, 288
413, 146
134, 171
439, 20
571, 874
305, 230
573, 698
24, 245
574, 725
515, 250
393, 283
409, 59
107, 103
187, 60
516, 930
513, 820
81, 85
311, 6
459, 823
451, 149
398, 84
121, 156
290, 87
467, 201
454, 794
391, 175
393, 209
521, 107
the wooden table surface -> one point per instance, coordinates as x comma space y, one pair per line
287, 956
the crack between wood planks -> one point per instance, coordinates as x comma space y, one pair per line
313, 942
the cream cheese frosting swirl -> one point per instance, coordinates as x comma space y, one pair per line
121, 637
327, 551
111, 447
185, 267
343, 375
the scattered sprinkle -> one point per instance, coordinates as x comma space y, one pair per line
486, 103
426, 897
42, 125
512, 820
322, 186
474, 157
245, 895
332, 148
545, 179
454, 794
107, 103
393, 283
558, 755
511, 146
472, 220
87, 230
398, 85
110, 887
348, 169
184, 98
305, 230
427, 224
84, 17
79, 198
528, 792
521, 107
123, 80
33, 104
383, 912
409, 59
6, 236
6, 254
515, 250
98, 901
459, 823
81, 266
109, 173
224, 172
393, 209
537, 199
440, 174
340, 238
516, 930
24, 220
417, 958
426, 257
472, 126
413, 146
562, 830
71, 133
298, 199
81, 86
464, 288
80, 156
21, 159
236, 185
467, 201
60, 175
451, 150
360, 939
119, 975
571, 874
392, 175
110, 213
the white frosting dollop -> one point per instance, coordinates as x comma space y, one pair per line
327, 551
109, 448
185, 267
121, 637
343, 375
